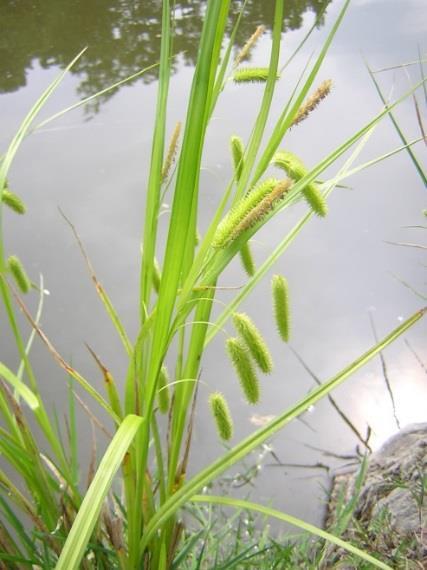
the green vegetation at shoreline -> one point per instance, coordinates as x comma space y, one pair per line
130, 516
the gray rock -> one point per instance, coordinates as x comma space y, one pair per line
392, 493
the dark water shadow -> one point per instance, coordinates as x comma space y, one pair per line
122, 37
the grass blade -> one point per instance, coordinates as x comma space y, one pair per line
402, 137
19, 387
242, 504
90, 509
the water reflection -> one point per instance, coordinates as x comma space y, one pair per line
122, 36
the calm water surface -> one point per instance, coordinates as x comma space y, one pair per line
93, 164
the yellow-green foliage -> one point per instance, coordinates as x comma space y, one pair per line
247, 259
13, 201
296, 170
281, 305
254, 341
19, 274
237, 152
240, 357
163, 397
222, 415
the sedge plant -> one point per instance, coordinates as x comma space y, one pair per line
47, 519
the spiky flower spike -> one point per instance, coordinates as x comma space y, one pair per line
281, 306
296, 170
13, 201
247, 259
237, 152
172, 150
163, 397
251, 75
254, 341
19, 274
222, 416
249, 210
241, 360
244, 52
313, 101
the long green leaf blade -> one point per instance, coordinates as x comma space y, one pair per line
87, 516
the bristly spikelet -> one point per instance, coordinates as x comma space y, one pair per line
251, 75
247, 259
249, 210
157, 276
163, 397
254, 341
225, 230
281, 306
222, 416
19, 274
296, 170
312, 102
13, 201
172, 150
263, 208
237, 152
244, 52
242, 363
315, 199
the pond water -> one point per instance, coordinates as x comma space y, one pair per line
93, 164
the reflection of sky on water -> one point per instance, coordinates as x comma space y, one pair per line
338, 268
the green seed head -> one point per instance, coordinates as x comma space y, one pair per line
229, 227
242, 363
13, 201
290, 163
222, 416
296, 170
315, 199
163, 397
281, 306
237, 152
254, 341
251, 75
247, 259
19, 274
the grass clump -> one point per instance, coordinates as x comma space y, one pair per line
138, 523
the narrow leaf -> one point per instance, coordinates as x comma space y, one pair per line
20, 388
241, 504
88, 514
